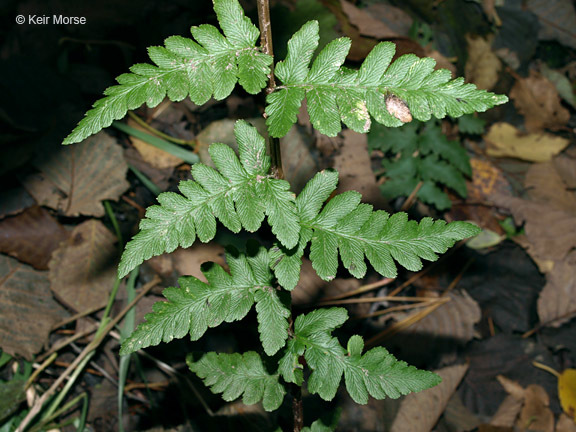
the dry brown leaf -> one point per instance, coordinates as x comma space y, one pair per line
483, 66
557, 20
508, 412
565, 424
504, 140
420, 411
537, 99
366, 23
153, 155
536, 414
31, 236
27, 308
550, 236
513, 388
557, 300
354, 166
75, 179
454, 320
83, 269
189, 261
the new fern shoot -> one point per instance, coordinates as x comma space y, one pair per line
244, 192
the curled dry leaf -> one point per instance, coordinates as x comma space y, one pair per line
83, 269
504, 140
77, 178
419, 412
538, 101
482, 66
31, 236
27, 308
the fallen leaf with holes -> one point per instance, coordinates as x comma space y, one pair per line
537, 99
27, 308
419, 412
482, 66
156, 157
567, 392
77, 178
31, 236
83, 269
504, 140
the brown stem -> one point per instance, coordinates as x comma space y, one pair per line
297, 411
267, 48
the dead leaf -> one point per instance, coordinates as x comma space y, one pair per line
557, 300
420, 411
482, 66
550, 235
83, 269
31, 236
353, 163
537, 99
366, 23
565, 424
567, 392
557, 20
75, 179
394, 18
156, 157
536, 414
504, 140
508, 412
14, 201
27, 308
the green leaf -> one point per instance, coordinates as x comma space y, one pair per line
376, 373
391, 93
236, 375
353, 231
241, 193
195, 305
211, 66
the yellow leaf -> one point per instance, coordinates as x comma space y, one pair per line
567, 392
504, 140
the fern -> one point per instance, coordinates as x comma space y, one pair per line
234, 375
240, 194
357, 231
391, 93
424, 155
196, 305
210, 67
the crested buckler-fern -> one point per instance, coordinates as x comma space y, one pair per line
246, 191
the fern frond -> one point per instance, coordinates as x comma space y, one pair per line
354, 229
241, 193
391, 93
376, 373
210, 67
195, 306
236, 375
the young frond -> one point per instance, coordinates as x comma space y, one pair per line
209, 67
391, 93
240, 194
195, 306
